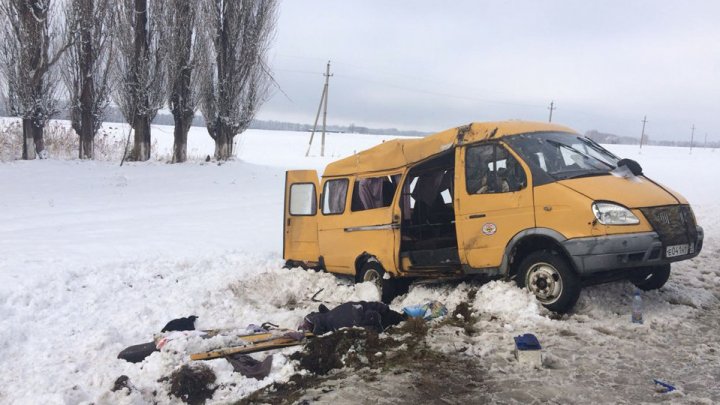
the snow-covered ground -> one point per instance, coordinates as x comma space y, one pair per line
95, 257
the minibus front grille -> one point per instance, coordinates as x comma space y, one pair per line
674, 224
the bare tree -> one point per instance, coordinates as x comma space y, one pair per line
86, 68
139, 66
30, 46
186, 59
241, 32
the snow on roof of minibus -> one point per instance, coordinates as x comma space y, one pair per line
399, 153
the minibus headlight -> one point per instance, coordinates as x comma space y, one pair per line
613, 214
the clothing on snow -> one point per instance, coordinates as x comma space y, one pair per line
181, 324
372, 315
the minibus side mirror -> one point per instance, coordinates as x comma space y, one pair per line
634, 166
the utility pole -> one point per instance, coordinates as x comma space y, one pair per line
323, 103
642, 135
705, 146
327, 81
551, 108
692, 136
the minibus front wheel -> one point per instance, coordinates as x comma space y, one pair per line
548, 275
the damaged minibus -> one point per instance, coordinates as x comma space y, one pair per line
533, 202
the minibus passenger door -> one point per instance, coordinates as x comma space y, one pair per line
300, 233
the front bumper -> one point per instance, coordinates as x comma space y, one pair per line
602, 253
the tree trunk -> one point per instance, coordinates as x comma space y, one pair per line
87, 127
87, 102
28, 152
223, 142
141, 145
140, 121
181, 99
87, 121
87, 144
182, 127
38, 138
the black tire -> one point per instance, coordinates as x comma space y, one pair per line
549, 276
651, 278
373, 271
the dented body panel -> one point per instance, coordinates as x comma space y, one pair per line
486, 222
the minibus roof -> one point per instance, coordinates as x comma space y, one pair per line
399, 153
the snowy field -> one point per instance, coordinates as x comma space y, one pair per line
95, 257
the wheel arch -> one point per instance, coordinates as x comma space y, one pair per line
532, 240
363, 258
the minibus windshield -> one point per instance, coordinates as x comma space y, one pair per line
562, 155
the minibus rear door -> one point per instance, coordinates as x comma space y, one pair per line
300, 231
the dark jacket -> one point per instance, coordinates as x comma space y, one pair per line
372, 315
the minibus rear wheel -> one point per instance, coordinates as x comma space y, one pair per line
550, 278
373, 271
652, 278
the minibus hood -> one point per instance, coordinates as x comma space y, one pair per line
634, 192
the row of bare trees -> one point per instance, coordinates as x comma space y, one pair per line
142, 55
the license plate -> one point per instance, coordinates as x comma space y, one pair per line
677, 250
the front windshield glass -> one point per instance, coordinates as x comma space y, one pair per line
563, 155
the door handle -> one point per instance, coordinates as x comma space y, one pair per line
288, 222
477, 216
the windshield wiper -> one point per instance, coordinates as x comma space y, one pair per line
591, 143
589, 174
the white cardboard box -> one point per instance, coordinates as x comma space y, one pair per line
529, 357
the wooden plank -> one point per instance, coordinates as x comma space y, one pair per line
251, 348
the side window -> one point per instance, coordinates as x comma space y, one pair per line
374, 192
302, 199
430, 190
492, 169
334, 196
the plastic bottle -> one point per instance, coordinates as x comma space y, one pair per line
637, 316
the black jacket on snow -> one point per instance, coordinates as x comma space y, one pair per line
372, 315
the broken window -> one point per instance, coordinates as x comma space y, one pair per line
334, 196
491, 168
562, 156
426, 190
374, 192
302, 199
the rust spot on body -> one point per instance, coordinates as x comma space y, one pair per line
461, 133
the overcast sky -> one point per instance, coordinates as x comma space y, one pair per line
431, 65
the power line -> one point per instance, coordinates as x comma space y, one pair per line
434, 93
464, 94
461, 95
375, 70
307, 72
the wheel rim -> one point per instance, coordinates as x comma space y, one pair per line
373, 276
544, 280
